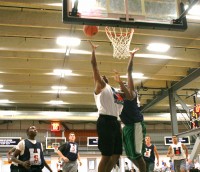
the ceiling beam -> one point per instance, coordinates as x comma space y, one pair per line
64, 126
178, 85
192, 132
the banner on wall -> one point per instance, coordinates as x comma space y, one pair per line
92, 141
184, 140
9, 141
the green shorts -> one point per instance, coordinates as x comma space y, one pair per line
133, 140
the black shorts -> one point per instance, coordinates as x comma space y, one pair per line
110, 135
30, 170
13, 168
194, 170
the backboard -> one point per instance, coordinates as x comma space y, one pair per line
144, 14
52, 142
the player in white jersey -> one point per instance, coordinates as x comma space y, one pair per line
109, 104
179, 154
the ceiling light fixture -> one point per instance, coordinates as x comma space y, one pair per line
62, 73
9, 113
1, 86
193, 17
154, 56
55, 4
136, 76
59, 87
179, 105
68, 41
56, 102
158, 47
63, 50
198, 94
195, 10
4, 101
56, 91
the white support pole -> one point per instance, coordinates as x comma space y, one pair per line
196, 149
126, 9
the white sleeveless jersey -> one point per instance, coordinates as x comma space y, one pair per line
106, 103
59, 165
178, 151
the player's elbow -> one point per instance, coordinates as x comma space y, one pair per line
12, 158
93, 63
129, 97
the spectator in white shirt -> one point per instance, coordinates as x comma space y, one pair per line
196, 164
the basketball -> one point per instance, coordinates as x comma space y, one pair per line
90, 30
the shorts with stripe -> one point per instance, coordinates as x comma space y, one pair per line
109, 135
133, 139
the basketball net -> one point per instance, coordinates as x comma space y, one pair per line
121, 39
55, 148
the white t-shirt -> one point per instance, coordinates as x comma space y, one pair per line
106, 103
59, 165
197, 165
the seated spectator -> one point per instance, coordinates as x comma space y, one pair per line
171, 165
126, 167
115, 168
189, 165
196, 164
165, 168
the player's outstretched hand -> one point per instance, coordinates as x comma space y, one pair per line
134, 51
93, 45
117, 76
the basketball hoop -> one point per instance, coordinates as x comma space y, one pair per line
55, 146
55, 149
121, 39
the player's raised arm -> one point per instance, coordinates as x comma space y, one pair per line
99, 82
130, 70
125, 90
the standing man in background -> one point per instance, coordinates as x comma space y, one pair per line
196, 164
109, 103
171, 165
59, 165
69, 154
149, 155
30, 152
179, 154
13, 166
